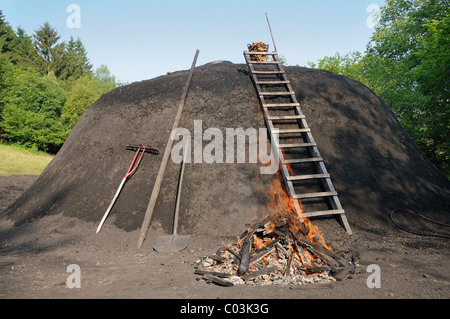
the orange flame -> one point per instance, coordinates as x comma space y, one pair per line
281, 205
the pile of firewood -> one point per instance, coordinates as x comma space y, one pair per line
258, 47
278, 250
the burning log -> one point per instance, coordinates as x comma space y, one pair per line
276, 251
287, 270
217, 258
322, 253
231, 251
315, 269
257, 257
342, 274
260, 272
284, 248
245, 257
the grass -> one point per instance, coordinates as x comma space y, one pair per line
16, 160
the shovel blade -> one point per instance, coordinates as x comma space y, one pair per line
171, 243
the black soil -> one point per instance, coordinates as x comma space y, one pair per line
373, 163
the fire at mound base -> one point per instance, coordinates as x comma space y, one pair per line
284, 248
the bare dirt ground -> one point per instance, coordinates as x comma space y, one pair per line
34, 260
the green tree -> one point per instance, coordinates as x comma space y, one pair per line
75, 62
17, 46
433, 80
6, 36
45, 86
50, 50
85, 91
32, 110
407, 62
351, 65
24, 55
107, 80
6, 70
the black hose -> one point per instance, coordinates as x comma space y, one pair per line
422, 216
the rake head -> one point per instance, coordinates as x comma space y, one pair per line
147, 149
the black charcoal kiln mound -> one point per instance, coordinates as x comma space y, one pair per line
374, 165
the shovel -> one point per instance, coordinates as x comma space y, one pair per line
174, 243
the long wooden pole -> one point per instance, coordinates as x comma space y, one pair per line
162, 169
270, 29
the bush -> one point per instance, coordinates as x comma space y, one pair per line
32, 110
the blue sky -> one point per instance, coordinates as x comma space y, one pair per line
140, 40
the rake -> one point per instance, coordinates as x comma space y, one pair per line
140, 149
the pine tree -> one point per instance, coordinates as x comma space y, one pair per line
24, 53
75, 62
46, 42
6, 36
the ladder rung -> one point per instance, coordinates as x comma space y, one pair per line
286, 117
295, 145
323, 212
260, 53
302, 160
265, 62
268, 72
294, 130
271, 82
282, 105
304, 177
277, 93
315, 195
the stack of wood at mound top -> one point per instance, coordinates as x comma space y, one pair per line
278, 250
258, 47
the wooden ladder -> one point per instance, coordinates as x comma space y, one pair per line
302, 167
